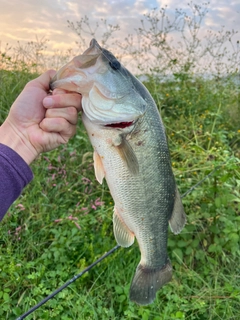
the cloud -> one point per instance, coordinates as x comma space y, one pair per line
24, 20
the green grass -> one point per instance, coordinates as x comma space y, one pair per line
63, 220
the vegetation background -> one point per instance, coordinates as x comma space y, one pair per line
63, 220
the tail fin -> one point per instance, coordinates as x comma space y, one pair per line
147, 281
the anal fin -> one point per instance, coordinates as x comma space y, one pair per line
178, 217
123, 235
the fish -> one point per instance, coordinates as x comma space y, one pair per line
131, 152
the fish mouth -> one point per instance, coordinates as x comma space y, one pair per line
119, 125
74, 70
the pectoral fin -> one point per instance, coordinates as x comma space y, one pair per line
98, 167
178, 217
127, 154
123, 235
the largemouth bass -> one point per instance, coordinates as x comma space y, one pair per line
131, 152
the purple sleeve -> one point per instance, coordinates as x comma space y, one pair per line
15, 174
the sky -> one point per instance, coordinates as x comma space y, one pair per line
25, 20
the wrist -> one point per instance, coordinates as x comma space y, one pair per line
14, 139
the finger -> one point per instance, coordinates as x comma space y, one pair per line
59, 91
69, 113
43, 80
59, 125
63, 101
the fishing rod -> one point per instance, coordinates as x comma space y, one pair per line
103, 256
66, 284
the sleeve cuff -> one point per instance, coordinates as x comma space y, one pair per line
17, 162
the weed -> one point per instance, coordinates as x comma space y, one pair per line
62, 222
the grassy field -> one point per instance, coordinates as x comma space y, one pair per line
63, 220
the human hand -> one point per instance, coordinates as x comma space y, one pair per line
38, 122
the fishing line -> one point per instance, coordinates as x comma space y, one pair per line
201, 181
66, 284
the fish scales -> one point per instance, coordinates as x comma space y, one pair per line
144, 188
131, 152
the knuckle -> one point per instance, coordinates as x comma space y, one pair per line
48, 113
77, 98
63, 123
74, 130
65, 140
72, 111
30, 83
70, 132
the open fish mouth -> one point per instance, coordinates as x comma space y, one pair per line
120, 125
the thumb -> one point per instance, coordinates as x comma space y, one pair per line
42, 81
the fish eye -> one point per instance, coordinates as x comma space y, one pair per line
115, 64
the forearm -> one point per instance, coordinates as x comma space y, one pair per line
15, 174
